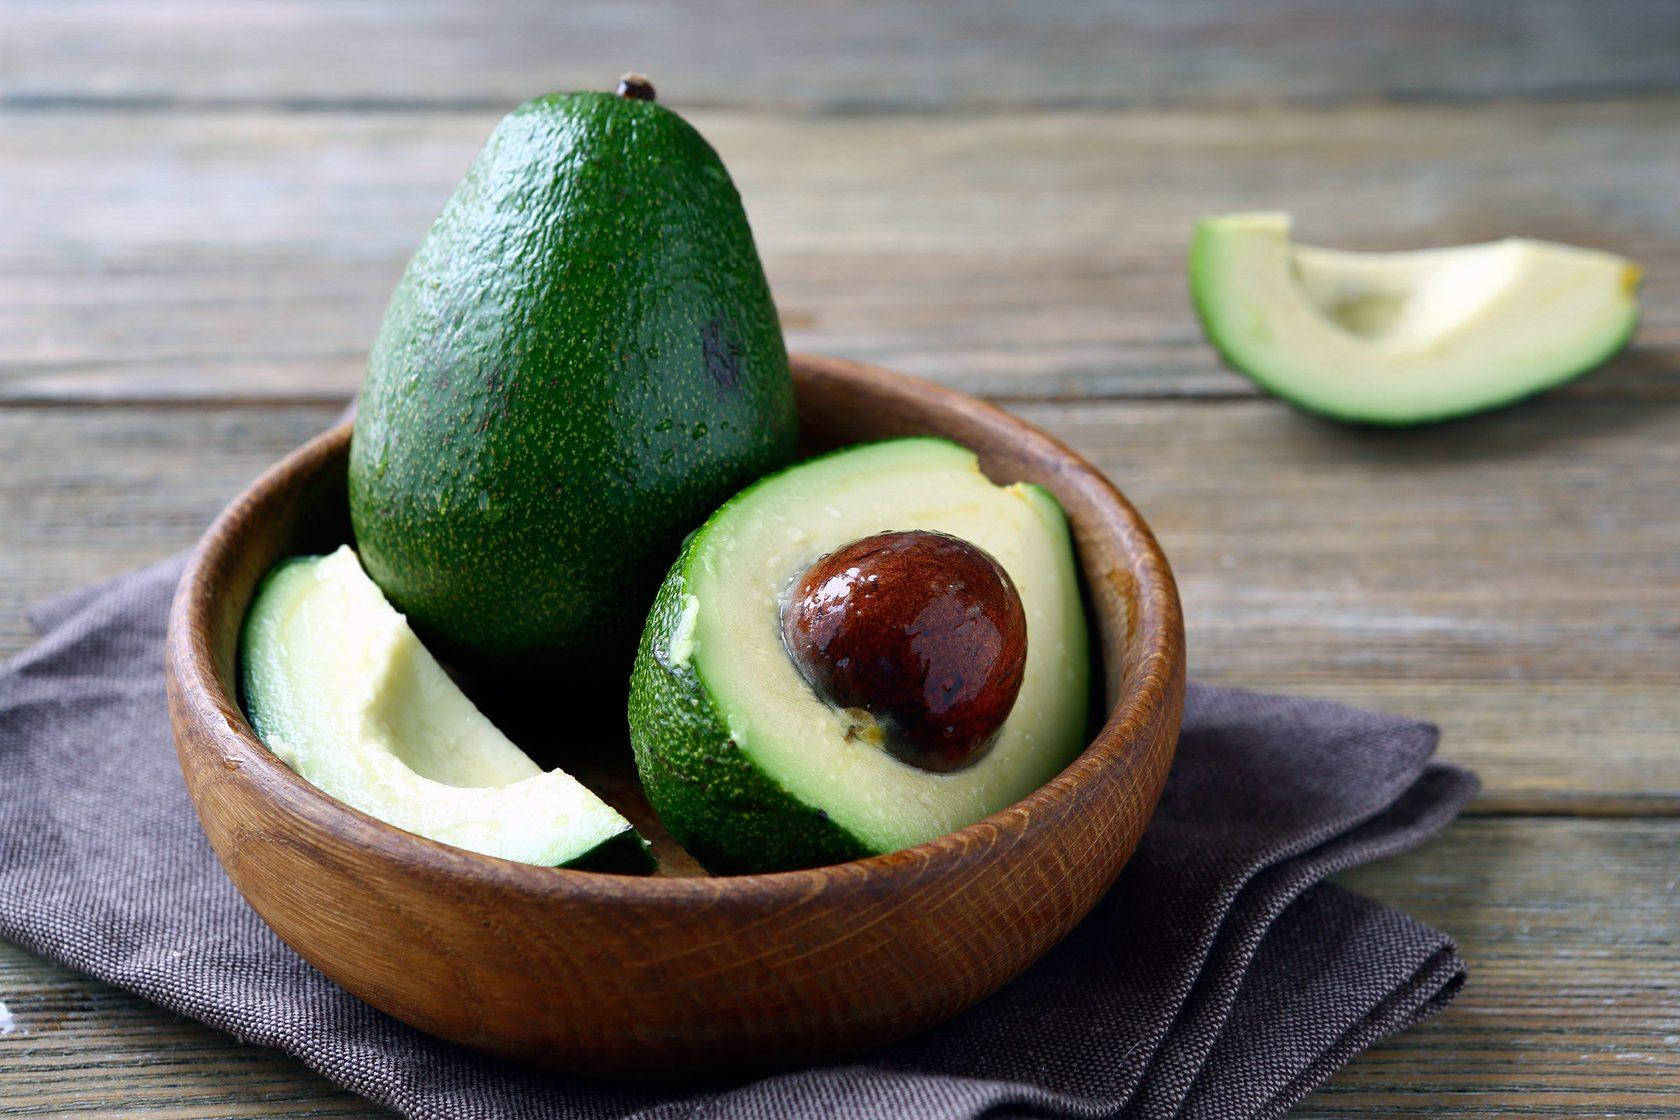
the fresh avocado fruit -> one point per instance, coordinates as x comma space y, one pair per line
339, 688
1410, 337
746, 764
581, 361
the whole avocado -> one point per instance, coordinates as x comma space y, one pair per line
581, 361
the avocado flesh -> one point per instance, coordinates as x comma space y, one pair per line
1404, 338
581, 361
340, 689
744, 763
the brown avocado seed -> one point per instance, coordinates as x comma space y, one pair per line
920, 634
635, 86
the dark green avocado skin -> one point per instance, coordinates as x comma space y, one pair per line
724, 810
581, 361
624, 854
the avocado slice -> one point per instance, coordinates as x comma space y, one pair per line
1405, 338
340, 689
746, 765
581, 361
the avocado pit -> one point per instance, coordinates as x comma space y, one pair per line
919, 635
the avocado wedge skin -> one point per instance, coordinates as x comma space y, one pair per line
713, 799
580, 362
624, 854
1204, 246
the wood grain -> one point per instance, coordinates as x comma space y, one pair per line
243, 255
1572, 1007
830, 55
650, 977
79, 1047
1312, 558
1514, 577
1573, 1003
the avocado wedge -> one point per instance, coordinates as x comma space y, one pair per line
746, 764
1409, 337
339, 688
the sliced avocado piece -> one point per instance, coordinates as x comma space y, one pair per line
339, 688
1405, 338
581, 361
746, 765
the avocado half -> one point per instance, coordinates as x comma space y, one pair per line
339, 688
746, 766
1406, 338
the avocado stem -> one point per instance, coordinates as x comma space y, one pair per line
635, 86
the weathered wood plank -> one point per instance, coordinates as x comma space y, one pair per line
833, 55
1573, 1004
1515, 578
1572, 1009
86, 494
78, 1046
194, 255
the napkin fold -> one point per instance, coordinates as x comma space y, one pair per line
1221, 977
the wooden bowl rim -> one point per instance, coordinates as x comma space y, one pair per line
1155, 634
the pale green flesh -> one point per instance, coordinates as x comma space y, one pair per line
1403, 337
341, 690
768, 536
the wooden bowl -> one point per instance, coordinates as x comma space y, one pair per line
667, 976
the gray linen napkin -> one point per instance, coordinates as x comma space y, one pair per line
1221, 978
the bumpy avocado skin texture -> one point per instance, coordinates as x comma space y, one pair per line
580, 362
723, 809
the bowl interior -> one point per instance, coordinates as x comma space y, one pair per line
1130, 602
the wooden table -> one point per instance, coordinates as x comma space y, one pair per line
203, 207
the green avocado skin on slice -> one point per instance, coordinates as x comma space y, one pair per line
624, 854
580, 362
720, 806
